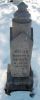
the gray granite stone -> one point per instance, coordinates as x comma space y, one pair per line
19, 73
22, 15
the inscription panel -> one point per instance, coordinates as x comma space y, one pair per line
21, 55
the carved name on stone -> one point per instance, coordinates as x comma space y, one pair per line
20, 54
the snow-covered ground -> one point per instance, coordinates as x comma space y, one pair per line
6, 15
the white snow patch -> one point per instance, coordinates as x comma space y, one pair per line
2, 38
38, 60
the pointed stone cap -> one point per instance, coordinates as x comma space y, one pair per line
22, 15
22, 6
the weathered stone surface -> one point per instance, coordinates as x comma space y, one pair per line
21, 43
19, 74
21, 28
22, 15
18, 83
21, 55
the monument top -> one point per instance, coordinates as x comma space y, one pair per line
22, 6
22, 15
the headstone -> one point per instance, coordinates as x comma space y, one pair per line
19, 74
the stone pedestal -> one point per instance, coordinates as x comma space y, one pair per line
19, 74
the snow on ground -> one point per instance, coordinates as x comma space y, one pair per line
6, 15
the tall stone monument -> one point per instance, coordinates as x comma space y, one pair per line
19, 73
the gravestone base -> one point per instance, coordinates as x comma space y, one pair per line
19, 83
